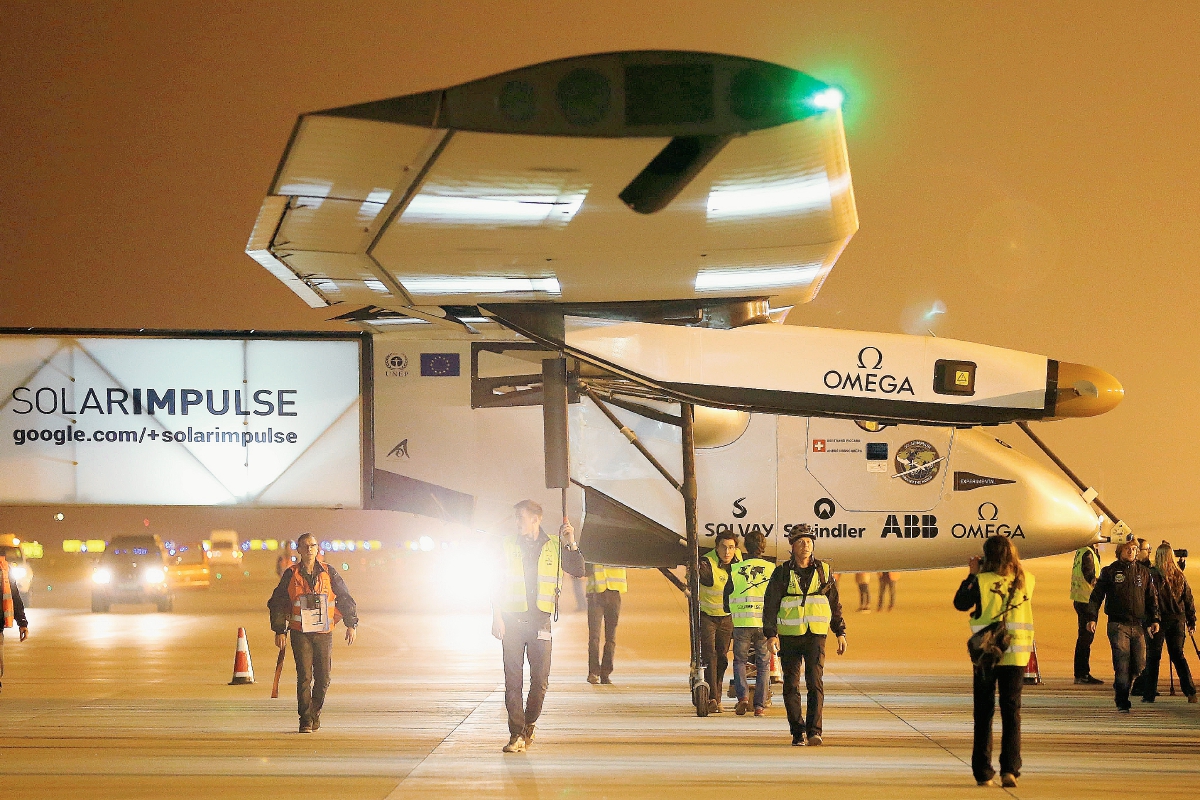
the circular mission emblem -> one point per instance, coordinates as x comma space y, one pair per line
396, 361
917, 462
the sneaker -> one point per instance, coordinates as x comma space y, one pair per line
605, 681
714, 707
815, 740
1008, 780
593, 679
760, 711
1088, 680
797, 740
528, 735
516, 744
306, 727
316, 723
742, 707
989, 782
1148, 699
1124, 709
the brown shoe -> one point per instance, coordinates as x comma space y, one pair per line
516, 744
742, 707
1191, 698
1007, 779
594, 679
714, 707
759, 711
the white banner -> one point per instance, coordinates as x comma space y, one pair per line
178, 421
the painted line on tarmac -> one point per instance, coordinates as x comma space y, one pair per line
918, 731
395, 793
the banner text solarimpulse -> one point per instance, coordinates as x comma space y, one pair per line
47, 401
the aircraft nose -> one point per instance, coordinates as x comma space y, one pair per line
1085, 391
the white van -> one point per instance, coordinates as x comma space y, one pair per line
224, 549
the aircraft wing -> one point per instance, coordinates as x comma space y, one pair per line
612, 178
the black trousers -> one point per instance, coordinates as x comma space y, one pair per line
1083, 642
604, 610
1009, 680
1174, 635
805, 651
521, 641
1129, 658
715, 635
888, 585
313, 653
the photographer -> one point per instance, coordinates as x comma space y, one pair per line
1178, 612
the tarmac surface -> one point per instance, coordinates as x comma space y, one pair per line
134, 704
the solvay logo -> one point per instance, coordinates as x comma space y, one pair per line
864, 355
739, 510
987, 524
869, 377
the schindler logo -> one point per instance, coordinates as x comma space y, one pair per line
869, 377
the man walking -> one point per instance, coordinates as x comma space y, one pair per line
744, 597
605, 585
13, 609
523, 610
308, 602
800, 607
1084, 572
716, 625
1126, 589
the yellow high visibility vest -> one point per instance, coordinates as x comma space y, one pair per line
604, 578
803, 611
712, 598
993, 592
513, 592
749, 579
1081, 590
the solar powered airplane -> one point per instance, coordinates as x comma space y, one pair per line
586, 265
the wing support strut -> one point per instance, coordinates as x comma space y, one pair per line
701, 691
1088, 492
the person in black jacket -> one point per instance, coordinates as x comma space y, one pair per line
1126, 590
1178, 612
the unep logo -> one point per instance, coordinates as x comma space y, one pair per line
396, 365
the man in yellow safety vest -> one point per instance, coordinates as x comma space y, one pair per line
716, 625
800, 607
523, 610
1084, 572
605, 585
744, 596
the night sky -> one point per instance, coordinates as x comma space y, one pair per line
1033, 167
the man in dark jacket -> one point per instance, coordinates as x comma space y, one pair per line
301, 603
799, 609
1126, 590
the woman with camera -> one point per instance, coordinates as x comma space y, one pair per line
998, 593
1178, 614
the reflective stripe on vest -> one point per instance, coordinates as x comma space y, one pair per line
1081, 590
298, 586
993, 594
750, 578
513, 600
712, 598
604, 578
7, 587
803, 611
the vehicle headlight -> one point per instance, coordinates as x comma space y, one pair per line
154, 575
18, 573
102, 575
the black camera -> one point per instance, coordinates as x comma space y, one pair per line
1181, 557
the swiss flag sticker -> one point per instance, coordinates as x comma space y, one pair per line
818, 445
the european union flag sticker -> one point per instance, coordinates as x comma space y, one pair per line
439, 365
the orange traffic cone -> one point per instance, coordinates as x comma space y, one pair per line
243, 669
1033, 676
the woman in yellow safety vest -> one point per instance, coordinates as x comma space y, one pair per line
998, 589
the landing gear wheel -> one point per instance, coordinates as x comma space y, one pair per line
700, 699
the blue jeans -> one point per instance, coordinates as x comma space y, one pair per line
745, 640
1128, 644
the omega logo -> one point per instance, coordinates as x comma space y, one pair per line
870, 360
862, 364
